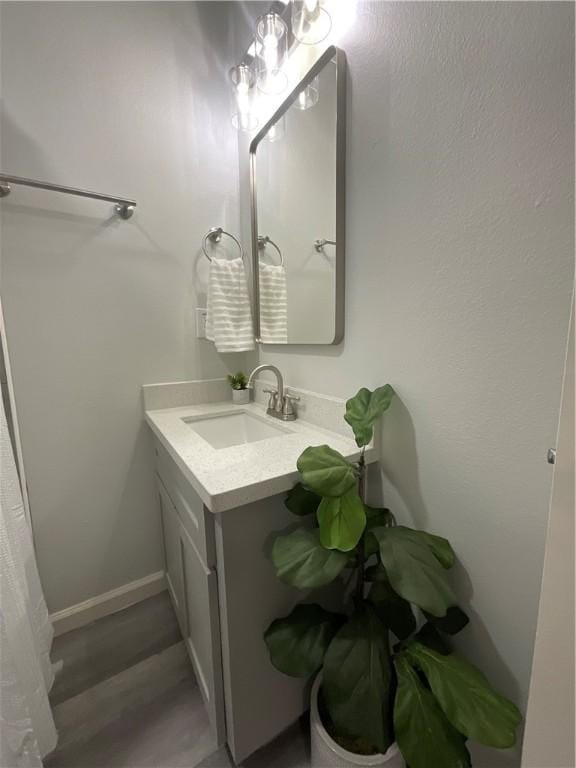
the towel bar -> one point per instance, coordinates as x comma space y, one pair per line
123, 208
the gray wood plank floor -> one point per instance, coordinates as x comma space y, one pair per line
108, 646
126, 697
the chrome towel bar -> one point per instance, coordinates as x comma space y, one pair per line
123, 207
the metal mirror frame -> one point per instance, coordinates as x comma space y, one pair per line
331, 53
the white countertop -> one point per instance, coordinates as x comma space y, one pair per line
226, 478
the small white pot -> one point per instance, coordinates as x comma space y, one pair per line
241, 396
326, 753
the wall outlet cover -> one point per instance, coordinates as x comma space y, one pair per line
201, 317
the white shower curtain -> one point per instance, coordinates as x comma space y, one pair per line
27, 731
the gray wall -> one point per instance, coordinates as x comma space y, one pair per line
125, 98
459, 272
459, 275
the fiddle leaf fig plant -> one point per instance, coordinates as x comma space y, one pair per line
388, 670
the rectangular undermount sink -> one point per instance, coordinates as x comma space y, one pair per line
234, 428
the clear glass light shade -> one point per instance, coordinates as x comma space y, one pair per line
309, 96
310, 22
242, 79
271, 49
277, 131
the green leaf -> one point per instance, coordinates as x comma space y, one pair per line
342, 521
356, 680
424, 735
301, 561
371, 546
439, 547
414, 571
297, 643
467, 698
375, 572
325, 471
300, 501
428, 635
394, 612
454, 621
377, 517
364, 409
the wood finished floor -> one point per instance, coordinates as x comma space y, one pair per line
126, 697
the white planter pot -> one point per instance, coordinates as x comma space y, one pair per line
241, 396
326, 753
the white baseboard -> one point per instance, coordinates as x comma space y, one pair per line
110, 602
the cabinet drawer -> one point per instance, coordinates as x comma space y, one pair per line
202, 633
195, 518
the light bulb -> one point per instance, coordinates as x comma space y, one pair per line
308, 96
270, 56
271, 39
310, 22
277, 131
242, 79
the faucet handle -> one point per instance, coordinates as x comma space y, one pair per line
273, 398
287, 407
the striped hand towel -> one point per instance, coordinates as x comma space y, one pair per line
229, 314
273, 304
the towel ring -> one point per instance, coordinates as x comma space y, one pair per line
262, 242
215, 235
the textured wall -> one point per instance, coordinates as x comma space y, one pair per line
125, 98
459, 274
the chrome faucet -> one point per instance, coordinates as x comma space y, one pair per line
279, 404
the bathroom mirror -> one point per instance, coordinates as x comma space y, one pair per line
297, 186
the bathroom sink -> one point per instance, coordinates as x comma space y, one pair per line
234, 428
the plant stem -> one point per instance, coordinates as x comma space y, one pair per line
362, 475
360, 552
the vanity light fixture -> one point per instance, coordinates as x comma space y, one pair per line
310, 22
309, 96
271, 49
277, 131
242, 79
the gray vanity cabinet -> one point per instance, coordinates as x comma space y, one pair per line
172, 552
260, 701
192, 582
226, 593
202, 632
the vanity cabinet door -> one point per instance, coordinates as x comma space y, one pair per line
172, 553
193, 516
203, 631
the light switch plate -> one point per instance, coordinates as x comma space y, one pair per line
201, 317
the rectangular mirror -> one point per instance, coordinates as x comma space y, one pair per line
297, 185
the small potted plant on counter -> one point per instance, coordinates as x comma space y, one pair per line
388, 691
240, 392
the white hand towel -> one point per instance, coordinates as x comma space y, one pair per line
273, 304
229, 314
